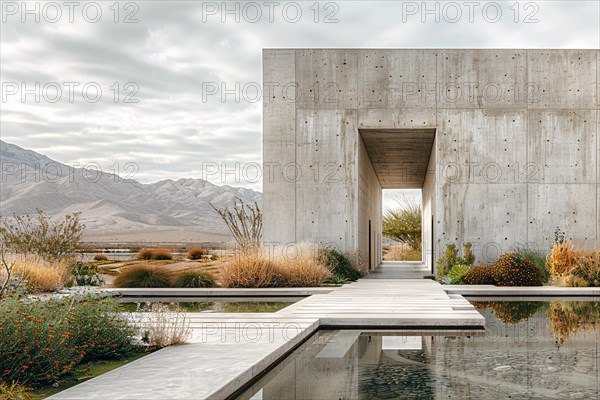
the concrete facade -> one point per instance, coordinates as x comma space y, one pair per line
515, 151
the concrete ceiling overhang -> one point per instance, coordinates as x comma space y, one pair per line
400, 157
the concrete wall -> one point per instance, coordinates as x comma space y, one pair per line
369, 209
516, 149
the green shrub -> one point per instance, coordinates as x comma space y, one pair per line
143, 276
100, 257
193, 279
479, 275
468, 255
450, 258
155, 254
339, 264
196, 253
84, 274
457, 273
537, 258
42, 341
447, 260
513, 269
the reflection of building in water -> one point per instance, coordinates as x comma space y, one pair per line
521, 360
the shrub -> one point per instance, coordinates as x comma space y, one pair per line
43, 276
587, 269
44, 340
450, 258
562, 259
302, 271
339, 264
84, 274
196, 253
512, 269
537, 258
457, 273
143, 276
10, 391
100, 257
468, 255
158, 253
193, 279
165, 325
401, 252
38, 234
403, 223
479, 275
447, 260
250, 270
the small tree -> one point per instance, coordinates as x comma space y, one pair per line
39, 234
403, 223
245, 223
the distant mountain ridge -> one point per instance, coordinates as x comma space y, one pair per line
114, 208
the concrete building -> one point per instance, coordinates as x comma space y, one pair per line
503, 143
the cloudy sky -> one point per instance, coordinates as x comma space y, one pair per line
169, 54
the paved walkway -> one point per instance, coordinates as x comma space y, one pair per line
228, 350
400, 270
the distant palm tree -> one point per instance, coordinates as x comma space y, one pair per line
403, 223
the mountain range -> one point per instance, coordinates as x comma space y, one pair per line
116, 209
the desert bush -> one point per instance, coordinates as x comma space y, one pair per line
513, 269
250, 270
401, 252
165, 325
143, 276
84, 274
302, 271
244, 222
43, 275
158, 253
479, 275
42, 341
537, 258
193, 279
196, 253
457, 273
403, 223
100, 257
38, 234
586, 271
562, 258
14, 391
339, 264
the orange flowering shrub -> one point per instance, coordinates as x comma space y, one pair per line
479, 275
43, 340
513, 269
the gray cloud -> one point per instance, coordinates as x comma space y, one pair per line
171, 132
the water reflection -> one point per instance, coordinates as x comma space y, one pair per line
531, 350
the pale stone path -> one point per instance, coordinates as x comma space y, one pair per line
228, 350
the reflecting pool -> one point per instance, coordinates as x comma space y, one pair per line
530, 350
215, 306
